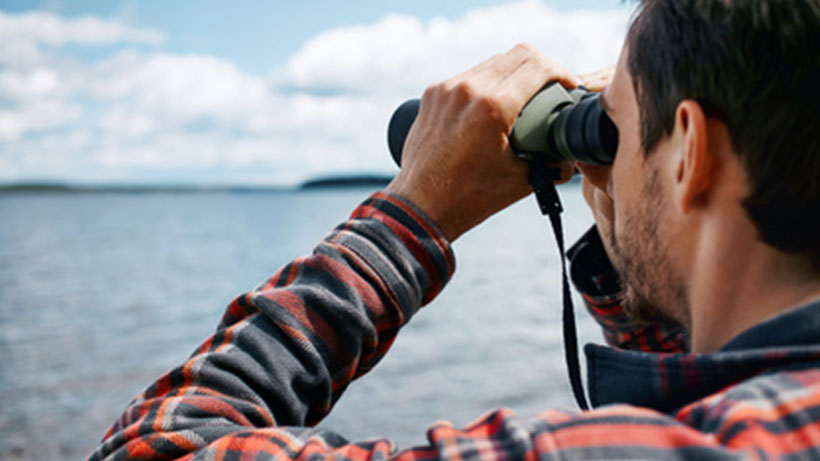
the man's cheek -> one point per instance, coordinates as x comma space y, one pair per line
604, 206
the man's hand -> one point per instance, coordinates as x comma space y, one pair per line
457, 165
597, 80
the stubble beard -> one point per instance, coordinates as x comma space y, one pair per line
654, 292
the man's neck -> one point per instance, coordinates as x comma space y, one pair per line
738, 282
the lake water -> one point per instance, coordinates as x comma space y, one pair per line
101, 293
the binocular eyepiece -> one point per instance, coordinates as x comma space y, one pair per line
556, 125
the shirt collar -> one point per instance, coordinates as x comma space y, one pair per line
668, 381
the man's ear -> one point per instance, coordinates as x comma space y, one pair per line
694, 166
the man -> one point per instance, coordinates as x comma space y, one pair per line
708, 214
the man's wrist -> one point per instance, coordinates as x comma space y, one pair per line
427, 207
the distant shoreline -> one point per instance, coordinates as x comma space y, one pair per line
347, 181
135, 189
329, 182
323, 183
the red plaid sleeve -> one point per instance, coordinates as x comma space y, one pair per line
284, 353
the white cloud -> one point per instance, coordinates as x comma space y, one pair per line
22, 36
401, 51
51, 29
37, 116
38, 85
186, 87
135, 114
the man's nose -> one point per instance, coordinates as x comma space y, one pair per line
597, 175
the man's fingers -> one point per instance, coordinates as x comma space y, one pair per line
529, 77
500, 67
491, 70
478, 72
500, 86
598, 80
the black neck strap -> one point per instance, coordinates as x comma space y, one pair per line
542, 179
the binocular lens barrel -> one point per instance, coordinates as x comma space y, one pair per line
584, 132
399, 126
554, 126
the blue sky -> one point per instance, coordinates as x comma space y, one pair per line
248, 92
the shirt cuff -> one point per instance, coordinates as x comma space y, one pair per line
417, 232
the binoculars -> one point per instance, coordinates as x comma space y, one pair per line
556, 125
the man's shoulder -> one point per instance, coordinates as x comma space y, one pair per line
779, 400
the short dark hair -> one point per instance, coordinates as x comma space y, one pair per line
755, 65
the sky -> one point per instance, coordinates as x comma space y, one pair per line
249, 92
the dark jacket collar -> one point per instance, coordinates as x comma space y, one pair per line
666, 382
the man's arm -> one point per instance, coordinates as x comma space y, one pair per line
283, 354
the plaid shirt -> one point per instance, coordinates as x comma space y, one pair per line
284, 353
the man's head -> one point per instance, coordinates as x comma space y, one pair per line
739, 76
755, 65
